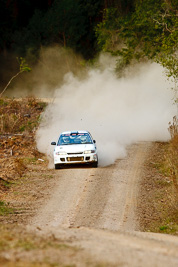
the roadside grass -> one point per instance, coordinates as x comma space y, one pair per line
169, 168
171, 162
5, 184
19, 120
159, 201
163, 197
169, 228
48, 176
30, 160
17, 117
5, 209
5, 263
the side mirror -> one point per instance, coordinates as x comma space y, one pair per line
53, 143
94, 141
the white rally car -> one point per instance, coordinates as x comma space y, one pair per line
75, 147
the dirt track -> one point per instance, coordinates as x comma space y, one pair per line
94, 209
103, 198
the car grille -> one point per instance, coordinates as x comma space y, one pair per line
75, 159
75, 153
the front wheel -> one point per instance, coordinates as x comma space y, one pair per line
95, 164
57, 166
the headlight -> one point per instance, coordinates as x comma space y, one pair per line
89, 151
61, 153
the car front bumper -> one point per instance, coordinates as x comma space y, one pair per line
75, 158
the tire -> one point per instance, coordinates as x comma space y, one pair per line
57, 166
95, 164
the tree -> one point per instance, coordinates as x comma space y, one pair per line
23, 66
69, 23
149, 32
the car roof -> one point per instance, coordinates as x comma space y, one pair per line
70, 132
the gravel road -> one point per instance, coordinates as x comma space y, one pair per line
95, 210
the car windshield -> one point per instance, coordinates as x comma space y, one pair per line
73, 139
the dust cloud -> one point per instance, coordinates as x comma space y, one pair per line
47, 72
116, 111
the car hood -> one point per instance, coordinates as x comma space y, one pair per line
75, 148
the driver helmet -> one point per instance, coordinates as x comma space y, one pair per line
83, 139
66, 139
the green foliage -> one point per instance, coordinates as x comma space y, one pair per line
149, 32
163, 228
68, 23
23, 65
132, 30
170, 228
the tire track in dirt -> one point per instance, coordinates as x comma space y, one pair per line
93, 201
134, 171
110, 200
